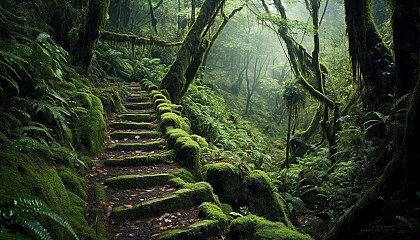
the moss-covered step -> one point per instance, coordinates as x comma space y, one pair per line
148, 146
252, 227
146, 160
215, 222
194, 195
138, 181
118, 135
137, 98
131, 125
139, 106
137, 117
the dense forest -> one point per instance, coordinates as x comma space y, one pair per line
210, 119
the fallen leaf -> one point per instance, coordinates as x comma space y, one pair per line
131, 235
137, 137
178, 214
128, 205
155, 235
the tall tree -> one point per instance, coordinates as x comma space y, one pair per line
191, 53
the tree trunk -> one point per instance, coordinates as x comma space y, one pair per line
373, 66
191, 50
81, 52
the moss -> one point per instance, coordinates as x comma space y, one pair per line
73, 182
133, 126
30, 175
173, 135
89, 128
137, 181
148, 146
226, 182
213, 212
252, 227
146, 160
99, 193
173, 120
200, 140
188, 155
157, 102
259, 193
203, 192
162, 110
226, 208
184, 174
197, 230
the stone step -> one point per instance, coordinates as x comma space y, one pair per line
194, 195
138, 181
215, 222
137, 117
118, 135
137, 98
132, 125
139, 106
145, 160
148, 146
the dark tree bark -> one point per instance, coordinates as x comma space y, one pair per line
152, 16
192, 49
81, 52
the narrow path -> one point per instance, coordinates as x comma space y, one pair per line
135, 169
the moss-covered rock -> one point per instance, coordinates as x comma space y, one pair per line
134, 135
188, 155
24, 175
226, 182
137, 117
262, 198
173, 120
200, 140
73, 182
173, 135
252, 227
89, 127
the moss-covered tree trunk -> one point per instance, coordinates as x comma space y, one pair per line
88, 34
401, 174
373, 66
191, 50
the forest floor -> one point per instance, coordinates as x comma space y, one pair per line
128, 139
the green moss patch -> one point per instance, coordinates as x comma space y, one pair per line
137, 181
226, 182
258, 192
257, 228
148, 146
146, 160
135, 135
73, 182
173, 120
133, 126
137, 117
89, 128
24, 175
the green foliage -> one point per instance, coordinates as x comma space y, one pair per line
23, 213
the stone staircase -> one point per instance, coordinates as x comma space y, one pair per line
148, 195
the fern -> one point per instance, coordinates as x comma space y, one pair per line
24, 212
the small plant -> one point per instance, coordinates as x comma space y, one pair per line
22, 214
